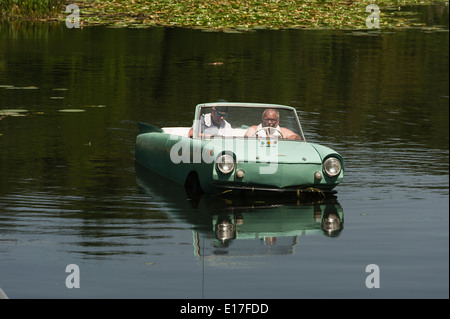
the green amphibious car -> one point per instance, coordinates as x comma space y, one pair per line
240, 147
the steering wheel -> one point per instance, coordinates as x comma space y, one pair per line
268, 129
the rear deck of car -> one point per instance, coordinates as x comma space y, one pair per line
183, 131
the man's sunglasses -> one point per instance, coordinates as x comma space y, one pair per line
221, 114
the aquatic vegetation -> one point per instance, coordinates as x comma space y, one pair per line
221, 15
242, 15
12, 87
72, 110
32, 9
12, 112
18, 112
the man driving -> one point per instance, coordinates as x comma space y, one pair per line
270, 127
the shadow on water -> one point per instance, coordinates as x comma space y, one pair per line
244, 226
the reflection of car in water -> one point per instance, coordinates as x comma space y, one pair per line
270, 231
244, 226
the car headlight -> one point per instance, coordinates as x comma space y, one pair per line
332, 166
225, 163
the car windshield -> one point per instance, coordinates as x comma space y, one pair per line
248, 122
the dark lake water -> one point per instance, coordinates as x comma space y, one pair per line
70, 192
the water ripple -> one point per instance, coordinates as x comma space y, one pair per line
94, 228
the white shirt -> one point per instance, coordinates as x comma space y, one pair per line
208, 127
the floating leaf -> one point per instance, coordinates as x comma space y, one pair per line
57, 97
12, 112
60, 89
72, 110
6, 86
22, 87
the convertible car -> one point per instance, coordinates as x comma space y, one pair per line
240, 148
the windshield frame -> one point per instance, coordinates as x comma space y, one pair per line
293, 121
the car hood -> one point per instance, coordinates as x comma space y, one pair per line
261, 150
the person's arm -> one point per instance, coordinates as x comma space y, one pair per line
289, 135
191, 134
250, 131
